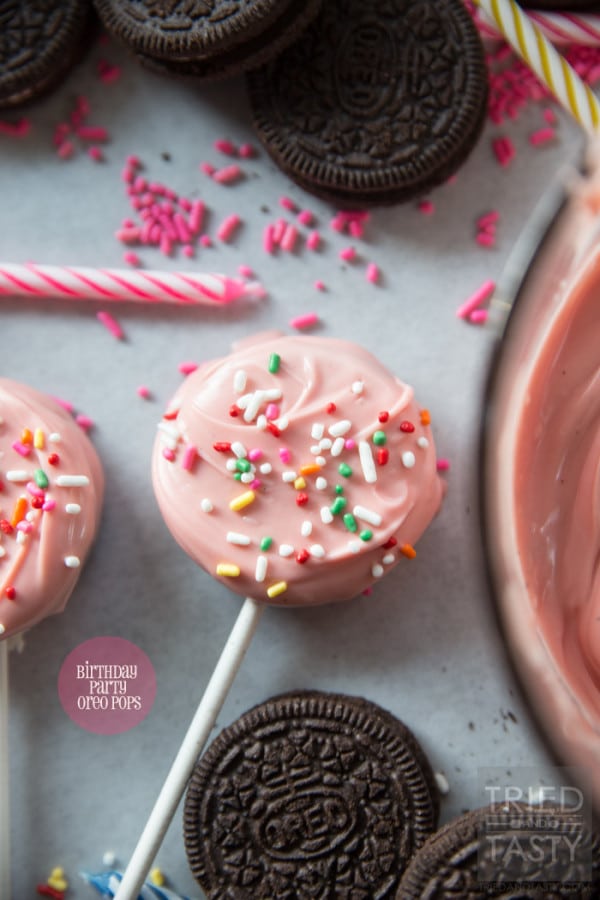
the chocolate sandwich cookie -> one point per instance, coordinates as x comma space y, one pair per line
309, 795
377, 102
515, 852
39, 42
206, 38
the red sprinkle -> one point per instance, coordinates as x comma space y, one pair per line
391, 542
10, 592
383, 416
383, 454
330, 408
302, 556
53, 459
37, 502
272, 427
234, 411
46, 891
301, 498
407, 427
222, 446
443, 465
6, 527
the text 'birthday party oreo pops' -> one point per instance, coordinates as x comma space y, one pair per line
298, 471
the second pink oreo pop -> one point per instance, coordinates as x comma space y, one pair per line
297, 470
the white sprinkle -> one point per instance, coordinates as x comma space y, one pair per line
366, 461
337, 446
325, 444
2, 628
109, 859
247, 477
340, 428
320, 460
230, 465
206, 505
73, 509
266, 469
238, 448
21, 537
273, 394
260, 573
239, 381
72, 481
358, 387
261, 422
388, 559
169, 430
17, 475
317, 551
306, 528
442, 783
326, 515
321, 483
315, 449
30, 517
408, 459
253, 405
72, 562
355, 546
317, 431
282, 423
285, 549
2, 552
423, 443
367, 515
376, 570
235, 537
55, 437
288, 476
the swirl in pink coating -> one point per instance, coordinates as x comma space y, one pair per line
51, 489
297, 470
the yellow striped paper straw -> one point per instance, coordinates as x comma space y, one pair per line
551, 68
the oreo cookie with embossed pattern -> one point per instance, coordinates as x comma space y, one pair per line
516, 852
309, 795
206, 38
39, 42
377, 102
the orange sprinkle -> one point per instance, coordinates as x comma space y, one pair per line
19, 511
310, 469
26, 436
425, 417
408, 550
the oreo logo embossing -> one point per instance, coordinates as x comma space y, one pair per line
312, 824
364, 69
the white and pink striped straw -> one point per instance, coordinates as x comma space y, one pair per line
139, 286
559, 27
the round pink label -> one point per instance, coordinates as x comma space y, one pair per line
107, 685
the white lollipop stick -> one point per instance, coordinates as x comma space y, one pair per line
4, 777
193, 743
139, 285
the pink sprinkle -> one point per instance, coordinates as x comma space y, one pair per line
207, 168
49, 505
288, 241
272, 411
442, 465
268, 242
128, 235
166, 244
92, 133
186, 368
542, 136
245, 271
482, 294
66, 404
372, 274
196, 216
426, 207
304, 321
96, 154
504, 150
168, 454
485, 240
279, 230
188, 251
228, 175
254, 454
488, 218
183, 232
320, 285
189, 457
66, 150
132, 258
348, 254
22, 449
84, 422
18, 129
185, 204
255, 484
228, 227
247, 151
549, 116
24, 526
356, 228
225, 146
143, 392
338, 223
34, 490
305, 217
349, 444
110, 324
288, 204
140, 184
284, 454
313, 240
134, 162
107, 72
478, 316
205, 240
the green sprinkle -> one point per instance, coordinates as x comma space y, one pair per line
274, 361
237, 476
242, 465
350, 522
379, 438
345, 470
366, 535
265, 543
338, 505
339, 489
41, 479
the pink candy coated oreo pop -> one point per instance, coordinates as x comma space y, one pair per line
51, 489
297, 470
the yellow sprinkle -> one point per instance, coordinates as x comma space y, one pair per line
310, 469
242, 500
157, 877
228, 570
408, 550
39, 440
280, 587
26, 436
425, 416
299, 484
20, 511
57, 879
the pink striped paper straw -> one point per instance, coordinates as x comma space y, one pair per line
558, 27
140, 286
